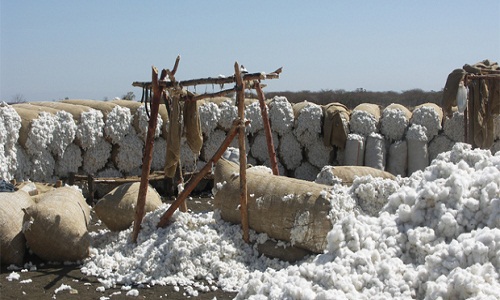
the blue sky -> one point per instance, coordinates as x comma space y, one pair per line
50, 50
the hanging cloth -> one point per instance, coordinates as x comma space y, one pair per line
174, 139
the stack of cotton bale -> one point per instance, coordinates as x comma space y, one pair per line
10, 124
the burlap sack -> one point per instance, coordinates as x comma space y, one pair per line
117, 208
173, 153
335, 125
192, 126
348, 173
12, 241
397, 161
370, 108
400, 107
74, 109
27, 116
103, 106
354, 154
38, 108
285, 208
56, 227
436, 107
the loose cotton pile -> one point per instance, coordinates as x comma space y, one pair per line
435, 234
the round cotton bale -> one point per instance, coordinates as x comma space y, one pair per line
281, 115
306, 171
56, 227
397, 161
69, 162
259, 148
290, 151
354, 153
308, 120
336, 124
394, 121
42, 166
10, 122
228, 113
209, 117
375, 152
37, 129
117, 208
418, 152
365, 119
285, 208
454, 127
118, 124
140, 118
96, 157
318, 154
104, 107
429, 115
128, 154
331, 175
12, 241
254, 114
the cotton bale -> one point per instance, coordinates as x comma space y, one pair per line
56, 227
12, 241
118, 124
331, 175
318, 154
228, 113
418, 152
281, 115
375, 151
454, 127
397, 160
69, 162
306, 171
128, 155
42, 166
335, 125
290, 151
10, 123
209, 117
284, 208
37, 129
394, 121
253, 113
259, 149
141, 119
96, 157
354, 153
117, 208
23, 164
308, 120
159, 153
439, 144
365, 119
429, 115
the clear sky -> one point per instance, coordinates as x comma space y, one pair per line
95, 49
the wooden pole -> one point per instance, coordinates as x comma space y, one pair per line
240, 100
198, 177
267, 128
148, 156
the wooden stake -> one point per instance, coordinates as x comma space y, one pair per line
198, 177
267, 128
240, 99
148, 156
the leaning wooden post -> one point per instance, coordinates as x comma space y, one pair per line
240, 100
267, 128
198, 177
148, 156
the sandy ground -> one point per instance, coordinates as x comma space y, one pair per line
43, 282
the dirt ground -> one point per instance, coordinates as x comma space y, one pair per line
43, 282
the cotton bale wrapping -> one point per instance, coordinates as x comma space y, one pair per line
336, 124
365, 119
331, 175
394, 121
12, 241
56, 227
117, 208
429, 115
285, 208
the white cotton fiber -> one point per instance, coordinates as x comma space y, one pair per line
212, 143
259, 148
118, 124
428, 117
418, 152
188, 158
354, 153
454, 127
90, 128
96, 157
64, 133
23, 164
42, 166
232, 154
318, 154
141, 118
69, 162
281, 168
393, 123
363, 123
439, 144
253, 113
209, 117
372, 193
306, 171
41, 133
375, 152
326, 176
159, 154
290, 151
129, 154
308, 124
228, 113
10, 124
281, 115
397, 160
